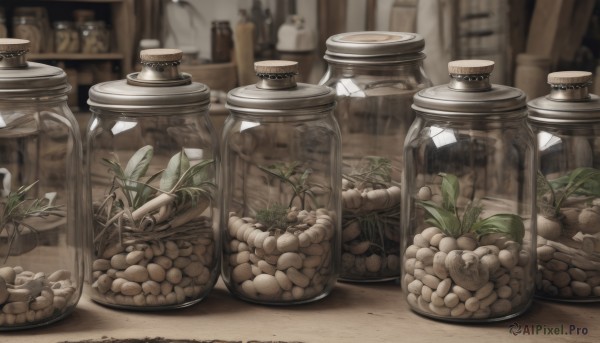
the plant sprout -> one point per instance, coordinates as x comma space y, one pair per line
291, 174
447, 218
16, 208
552, 194
135, 203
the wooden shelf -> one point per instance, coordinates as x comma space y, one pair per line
352, 313
74, 56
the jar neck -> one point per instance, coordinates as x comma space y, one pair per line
572, 92
13, 60
341, 70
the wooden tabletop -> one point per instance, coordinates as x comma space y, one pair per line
352, 313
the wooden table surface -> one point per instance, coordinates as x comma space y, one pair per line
352, 313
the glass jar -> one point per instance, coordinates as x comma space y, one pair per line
221, 41
28, 28
66, 37
41, 266
375, 75
95, 38
468, 200
567, 124
151, 175
281, 198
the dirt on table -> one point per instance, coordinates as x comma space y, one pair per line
166, 340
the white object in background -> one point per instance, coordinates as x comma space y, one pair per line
148, 43
293, 35
5, 182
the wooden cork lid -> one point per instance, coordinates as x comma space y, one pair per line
276, 67
161, 55
570, 77
470, 67
13, 44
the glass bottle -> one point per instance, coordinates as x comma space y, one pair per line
41, 225
468, 200
151, 175
29, 28
567, 124
281, 178
66, 37
375, 75
95, 38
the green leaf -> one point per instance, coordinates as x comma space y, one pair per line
577, 180
114, 167
441, 218
470, 217
138, 163
450, 191
177, 166
508, 224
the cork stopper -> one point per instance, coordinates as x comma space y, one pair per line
10, 45
570, 78
276, 74
13, 53
569, 85
161, 55
276, 67
160, 67
470, 67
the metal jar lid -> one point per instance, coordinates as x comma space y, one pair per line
277, 93
470, 93
159, 85
569, 100
374, 47
22, 79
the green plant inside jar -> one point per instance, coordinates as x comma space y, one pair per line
569, 234
465, 266
371, 219
46, 295
291, 244
15, 209
138, 211
446, 217
568, 204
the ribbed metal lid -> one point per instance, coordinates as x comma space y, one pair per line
568, 102
469, 92
159, 85
374, 47
277, 93
19, 78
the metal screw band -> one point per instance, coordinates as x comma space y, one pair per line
469, 78
275, 76
14, 53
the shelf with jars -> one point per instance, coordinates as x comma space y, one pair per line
92, 40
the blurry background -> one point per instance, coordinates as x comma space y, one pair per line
99, 40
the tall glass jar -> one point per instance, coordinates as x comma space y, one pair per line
567, 124
41, 226
469, 214
152, 167
375, 75
281, 178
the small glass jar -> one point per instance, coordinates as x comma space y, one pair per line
66, 37
41, 225
152, 163
95, 38
468, 200
29, 28
375, 75
221, 42
567, 124
281, 198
